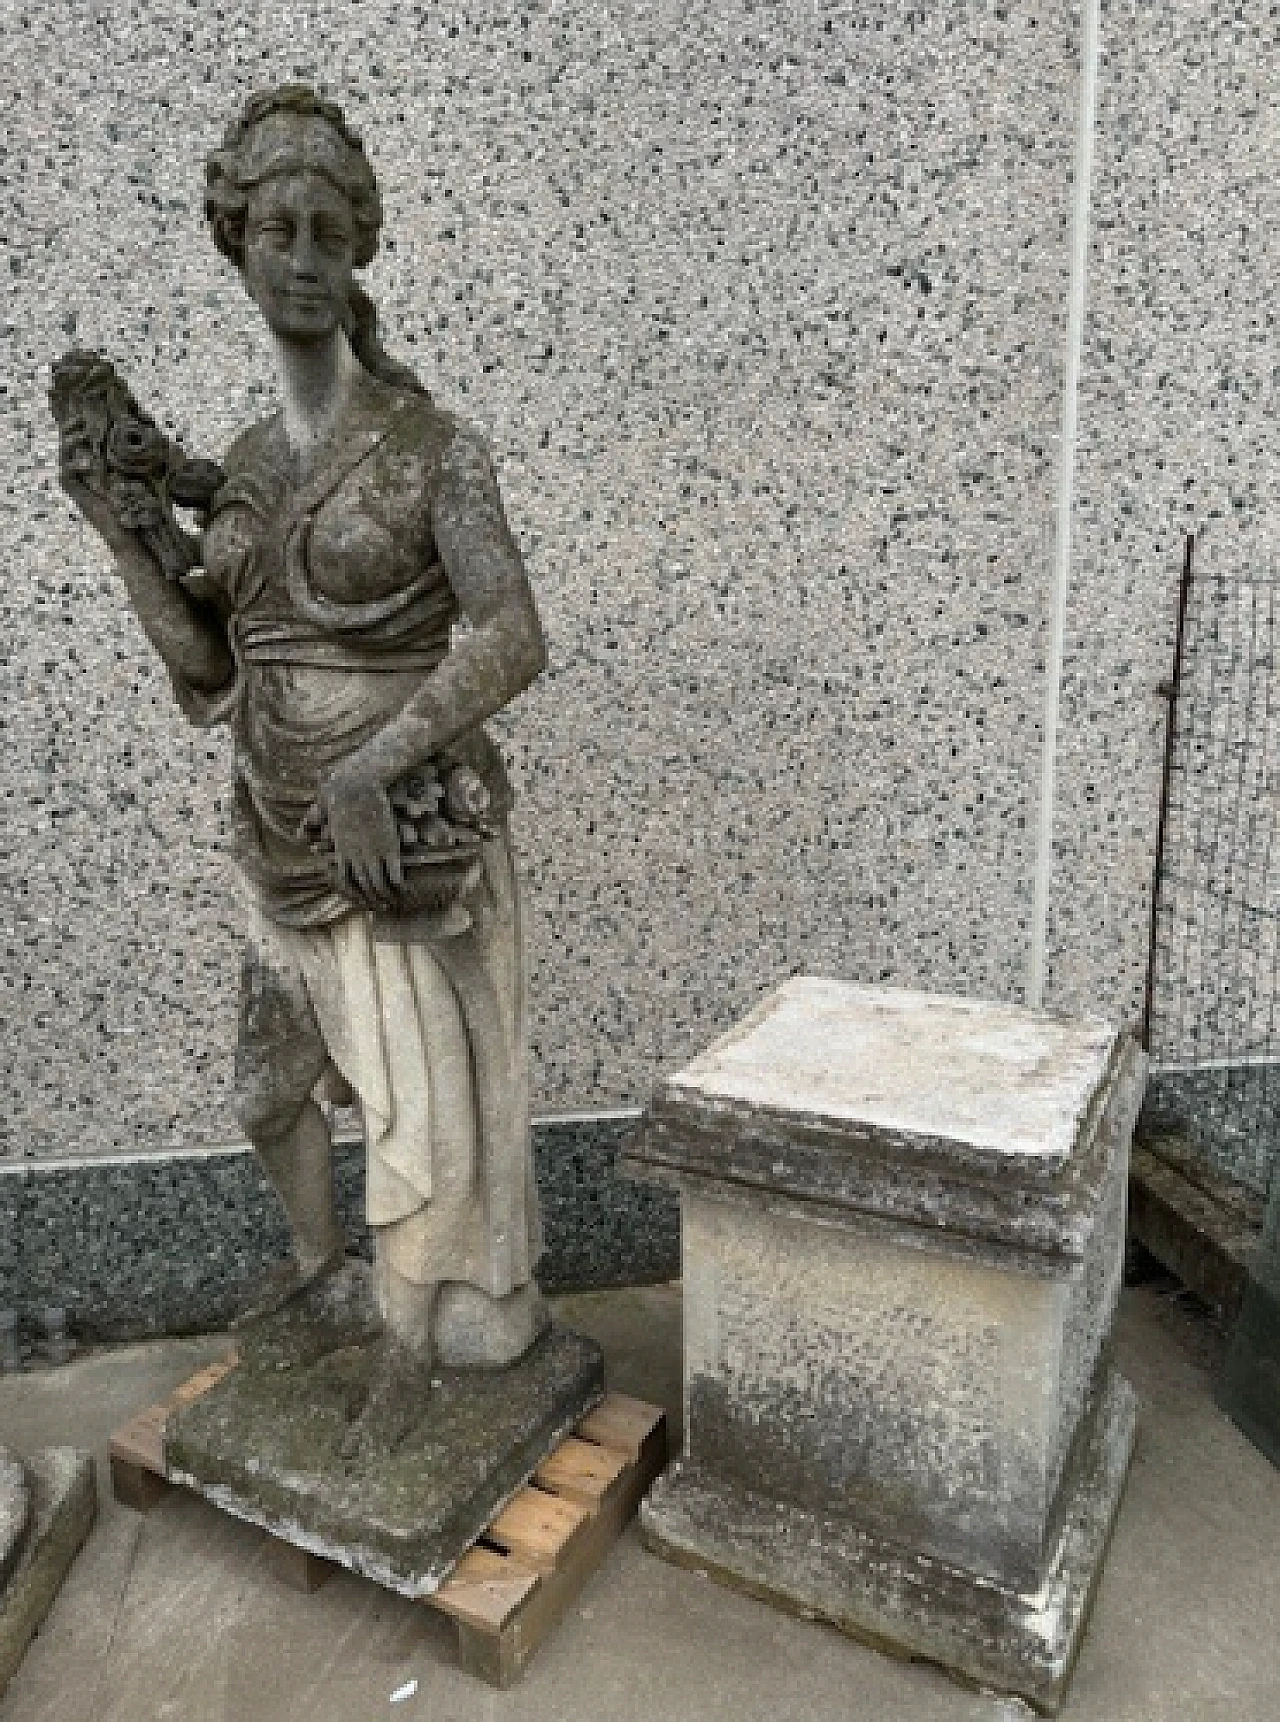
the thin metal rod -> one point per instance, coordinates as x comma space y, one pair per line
1079, 276
1170, 690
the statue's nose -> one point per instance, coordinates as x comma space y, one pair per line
305, 257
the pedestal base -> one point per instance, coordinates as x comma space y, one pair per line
824, 1566
15, 1513
264, 1444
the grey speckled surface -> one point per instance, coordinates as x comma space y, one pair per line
764, 311
1178, 431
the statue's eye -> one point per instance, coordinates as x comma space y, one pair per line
331, 236
275, 233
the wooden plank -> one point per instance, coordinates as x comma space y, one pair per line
141, 1441
620, 1422
137, 1486
499, 1658
537, 1528
298, 1568
137, 1448
1175, 1149
200, 1383
581, 1472
1207, 1245
485, 1589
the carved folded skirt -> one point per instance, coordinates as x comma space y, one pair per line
432, 1037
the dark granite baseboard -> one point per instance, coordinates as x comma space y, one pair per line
148, 1244
1226, 1118
1200, 1225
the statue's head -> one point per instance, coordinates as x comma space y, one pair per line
293, 203
289, 130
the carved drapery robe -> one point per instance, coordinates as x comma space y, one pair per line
337, 606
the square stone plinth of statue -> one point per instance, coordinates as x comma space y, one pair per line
266, 1443
903, 1231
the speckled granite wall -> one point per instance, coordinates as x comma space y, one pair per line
1179, 430
764, 311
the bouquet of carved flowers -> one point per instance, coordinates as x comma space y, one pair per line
110, 445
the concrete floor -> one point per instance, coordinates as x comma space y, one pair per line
176, 1614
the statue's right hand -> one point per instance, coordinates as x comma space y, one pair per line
354, 812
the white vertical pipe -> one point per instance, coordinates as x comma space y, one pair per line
1066, 495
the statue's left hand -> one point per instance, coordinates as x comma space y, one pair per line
357, 814
120, 540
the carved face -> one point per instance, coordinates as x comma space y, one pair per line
299, 248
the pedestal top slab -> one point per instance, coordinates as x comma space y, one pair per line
950, 1115
916, 1069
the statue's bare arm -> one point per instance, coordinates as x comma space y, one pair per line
502, 651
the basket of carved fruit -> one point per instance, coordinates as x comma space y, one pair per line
442, 815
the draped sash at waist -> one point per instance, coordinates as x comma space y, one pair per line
284, 640
295, 722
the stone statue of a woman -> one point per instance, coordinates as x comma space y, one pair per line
343, 538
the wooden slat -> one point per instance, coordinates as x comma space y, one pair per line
200, 1383
537, 1528
135, 1486
620, 1422
1188, 1229
298, 1568
485, 1589
581, 1471
141, 1441
137, 1449
500, 1656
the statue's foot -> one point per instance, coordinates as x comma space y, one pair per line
476, 1331
324, 1312
279, 1286
393, 1401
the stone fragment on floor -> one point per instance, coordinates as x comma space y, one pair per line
47, 1507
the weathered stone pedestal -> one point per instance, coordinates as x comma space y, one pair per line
265, 1444
903, 1224
47, 1507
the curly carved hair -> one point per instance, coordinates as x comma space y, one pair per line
230, 171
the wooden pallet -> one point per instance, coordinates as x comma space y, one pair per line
509, 1590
